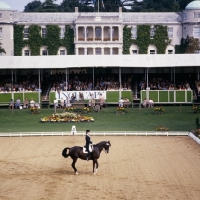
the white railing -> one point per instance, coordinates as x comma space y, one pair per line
95, 133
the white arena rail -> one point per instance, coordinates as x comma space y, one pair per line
95, 133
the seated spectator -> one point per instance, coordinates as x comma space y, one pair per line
62, 103
150, 103
73, 98
97, 108
101, 101
18, 103
67, 102
32, 103
121, 102
11, 104
126, 102
145, 102
25, 103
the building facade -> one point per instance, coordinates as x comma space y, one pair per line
99, 33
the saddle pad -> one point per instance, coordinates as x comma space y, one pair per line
90, 148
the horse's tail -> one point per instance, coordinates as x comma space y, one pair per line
64, 152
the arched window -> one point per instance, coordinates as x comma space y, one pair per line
170, 49
62, 51
43, 51
152, 49
134, 49
26, 51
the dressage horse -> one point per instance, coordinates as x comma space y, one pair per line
77, 152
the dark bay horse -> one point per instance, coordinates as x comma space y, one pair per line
77, 152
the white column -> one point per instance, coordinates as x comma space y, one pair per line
39, 86
102, 51
93, 32
102, 33
120, 83
77, 33
85, 31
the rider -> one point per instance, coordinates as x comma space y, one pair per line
88, 142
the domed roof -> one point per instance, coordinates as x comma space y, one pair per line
4, 6
194, 5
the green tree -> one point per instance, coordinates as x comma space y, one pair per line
192, 45
49, 6
33, 6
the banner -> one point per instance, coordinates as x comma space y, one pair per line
87, 95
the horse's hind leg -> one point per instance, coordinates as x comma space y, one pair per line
73, 165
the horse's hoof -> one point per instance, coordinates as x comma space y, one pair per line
94, 173
76, 173
96, 170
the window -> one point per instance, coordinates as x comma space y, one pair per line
184, 32
197, 15
152, 52
1, 54
98, 51
152, 32
26, 33
196, 32
26, 53
98, 32
197, 51
62, 52
0, 15
1, 34
134, 51
134, 32
170, 51
185, 16
62, 33
170, 32
44, 32
44, 52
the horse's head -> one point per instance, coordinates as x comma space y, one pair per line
106, 146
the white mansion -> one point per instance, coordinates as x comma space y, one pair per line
100, 33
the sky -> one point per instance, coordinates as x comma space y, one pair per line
20, 4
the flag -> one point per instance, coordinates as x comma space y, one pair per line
103, 4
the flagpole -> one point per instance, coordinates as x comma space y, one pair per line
98, 7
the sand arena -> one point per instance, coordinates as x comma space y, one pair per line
137, 167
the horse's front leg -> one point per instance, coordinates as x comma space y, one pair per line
73, 165
95, 168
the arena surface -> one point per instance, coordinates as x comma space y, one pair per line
137, 167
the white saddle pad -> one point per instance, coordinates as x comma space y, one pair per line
90, 148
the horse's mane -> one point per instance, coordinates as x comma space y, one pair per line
101, 143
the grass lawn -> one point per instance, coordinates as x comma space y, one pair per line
175, 118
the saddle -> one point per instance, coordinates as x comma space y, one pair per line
90, 148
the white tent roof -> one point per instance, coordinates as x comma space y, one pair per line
74, 61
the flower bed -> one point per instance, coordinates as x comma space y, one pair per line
66, 117
159, 110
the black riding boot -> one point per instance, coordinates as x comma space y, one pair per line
88, 156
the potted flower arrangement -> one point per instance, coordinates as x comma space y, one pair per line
87, 110
196, 109
120, 110
35, 110
162, 128
159, 110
